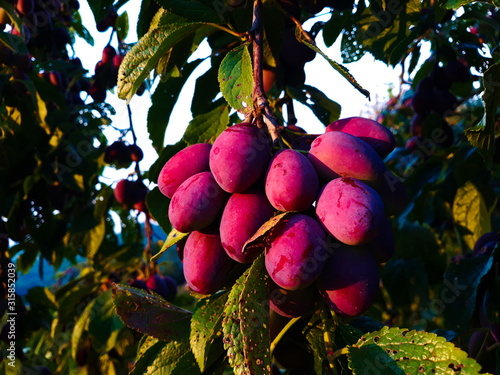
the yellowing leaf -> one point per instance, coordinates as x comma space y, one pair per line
471, 214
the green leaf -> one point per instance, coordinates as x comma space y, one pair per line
206, 88
401, 351
174, 359
158, 208
334, 26
173, 237
482, 136
193, 10
460, 288
455, 4
104, 325
204, 128
325, 109
143, 57
471, 214
81, 30
151, 314
206, 327
100, 8
246, 322
80, 326
148, 351
163, 101
236, 80
303, 37
14, 42
122, 26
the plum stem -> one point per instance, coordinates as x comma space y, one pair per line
261, 104
282, 333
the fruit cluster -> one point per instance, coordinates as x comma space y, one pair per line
131, 194
337, 198
433, 100
120, 153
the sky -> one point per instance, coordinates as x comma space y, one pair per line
372, 75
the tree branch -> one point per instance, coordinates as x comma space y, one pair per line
261, 104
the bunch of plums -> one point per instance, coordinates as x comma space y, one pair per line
337, 196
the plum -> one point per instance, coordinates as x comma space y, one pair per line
350, 210
372, 132
184, 164
239, 157
297, 251
206, 264
350, 280
383, 246
291, 181
196, 203
292, 303
243, 214
338, 154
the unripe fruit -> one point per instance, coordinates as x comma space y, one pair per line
375, 134
297, 251
349, 281
239, 157
196, 203
243, 215
338, 154
206, 264
181, 166
350, 211
291, 181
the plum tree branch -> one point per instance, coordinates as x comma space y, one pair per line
261, 104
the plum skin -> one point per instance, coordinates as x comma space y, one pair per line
196, 203
296, 253
239, 157
243, 215
184, 164
350, 280
350, 211
338, 154
291, 181
372, 132
206, 264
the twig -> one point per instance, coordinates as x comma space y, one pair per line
261, 104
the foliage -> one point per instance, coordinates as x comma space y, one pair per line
440, 287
